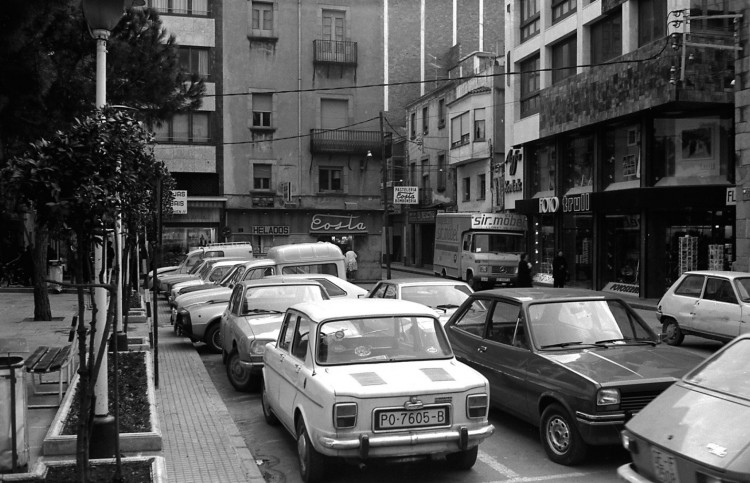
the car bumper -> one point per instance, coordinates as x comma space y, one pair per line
387, 445
600, 430
255, 367
627, 472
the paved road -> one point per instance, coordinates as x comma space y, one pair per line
512, 454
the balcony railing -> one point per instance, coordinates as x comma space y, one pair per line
335, 52
340, 141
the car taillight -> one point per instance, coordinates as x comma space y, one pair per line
629, 442
476, 405
344, 415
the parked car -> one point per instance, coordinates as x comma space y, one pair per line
200, 321
442, 295
209, 275
710, 304
372, 379
696, 431
252, 319
575, 363
214, 250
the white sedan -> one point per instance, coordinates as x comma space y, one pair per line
366, 379
442, 295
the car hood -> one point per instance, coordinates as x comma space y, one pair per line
699, 424
220, 293
627, 363
409, 378
261, 326
207, 310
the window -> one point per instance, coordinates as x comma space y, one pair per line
329, 179
441, 177
467, 189
529, 19
564, 60
577, 163
333, 25
261, 23
425, 188
479, 124
606, 38
195, 61
652, 20
481, 186
691, 286
426, 120
261, 176
460, 130
413, 126
180, 7
530, 87
441, 113
562, 8
190, 127
262, 108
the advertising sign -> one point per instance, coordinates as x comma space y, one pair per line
405, 195
179, 203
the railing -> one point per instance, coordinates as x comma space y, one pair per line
340, 141
335, 52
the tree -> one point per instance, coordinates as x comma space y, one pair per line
50, 81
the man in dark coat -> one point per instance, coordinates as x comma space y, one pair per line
559, 270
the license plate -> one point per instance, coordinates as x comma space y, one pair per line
503, 279
420, 418
665, 468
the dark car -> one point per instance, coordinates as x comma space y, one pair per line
696, 431
576, 363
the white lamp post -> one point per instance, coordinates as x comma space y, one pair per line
102, 16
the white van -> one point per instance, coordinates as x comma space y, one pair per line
214, 250
320, 257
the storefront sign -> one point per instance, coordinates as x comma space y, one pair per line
270, 230
337, 224
498, 221
549, 204
179, 203
731, 196
422, 216
405, 195
513, 174
263, 201
575, 203
623, 288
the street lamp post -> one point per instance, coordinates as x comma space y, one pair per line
101, 17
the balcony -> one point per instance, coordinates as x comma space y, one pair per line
339, 52
340, 141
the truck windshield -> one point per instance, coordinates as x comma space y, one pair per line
497, 243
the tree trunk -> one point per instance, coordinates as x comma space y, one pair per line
42, 310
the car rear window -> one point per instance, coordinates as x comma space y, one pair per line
729, 372
691, 286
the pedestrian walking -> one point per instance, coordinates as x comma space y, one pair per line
559, 270
351, 264
524, 272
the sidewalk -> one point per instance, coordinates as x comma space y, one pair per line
200, 441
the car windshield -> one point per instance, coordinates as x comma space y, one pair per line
381, 339
497, 243
278, 298
197, 268
585, 322
728, 373
743, 288
436, 296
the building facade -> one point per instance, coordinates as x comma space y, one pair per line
622, 136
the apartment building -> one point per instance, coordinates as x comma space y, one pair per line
623, 136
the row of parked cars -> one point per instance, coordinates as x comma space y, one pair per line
357, 379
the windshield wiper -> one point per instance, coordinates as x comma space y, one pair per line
628, 340
566, 344
262, 311
446, 307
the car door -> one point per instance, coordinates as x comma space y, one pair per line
378, 291
466, 332
681, 304
275, 371
292, 374
504, 355
232, 310
718, 312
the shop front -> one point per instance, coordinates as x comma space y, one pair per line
199, 226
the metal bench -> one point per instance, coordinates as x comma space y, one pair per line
51, 359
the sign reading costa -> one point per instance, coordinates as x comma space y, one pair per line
337, 224
498, 221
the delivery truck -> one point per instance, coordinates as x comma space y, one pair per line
482, 249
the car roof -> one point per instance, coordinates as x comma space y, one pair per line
338, 308
259, 262
719, 273
423, 281
223, 262
547, 294
281, 280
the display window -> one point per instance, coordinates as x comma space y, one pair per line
578, 164
621, 168
544, 246
578, 249
622, 249
542, 161
689, 151
178, 240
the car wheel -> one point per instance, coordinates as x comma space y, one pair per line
213, 338
267, 411
473, 282
463, 460
560, 438
240, 377
671, 332
178, 328
311, 463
